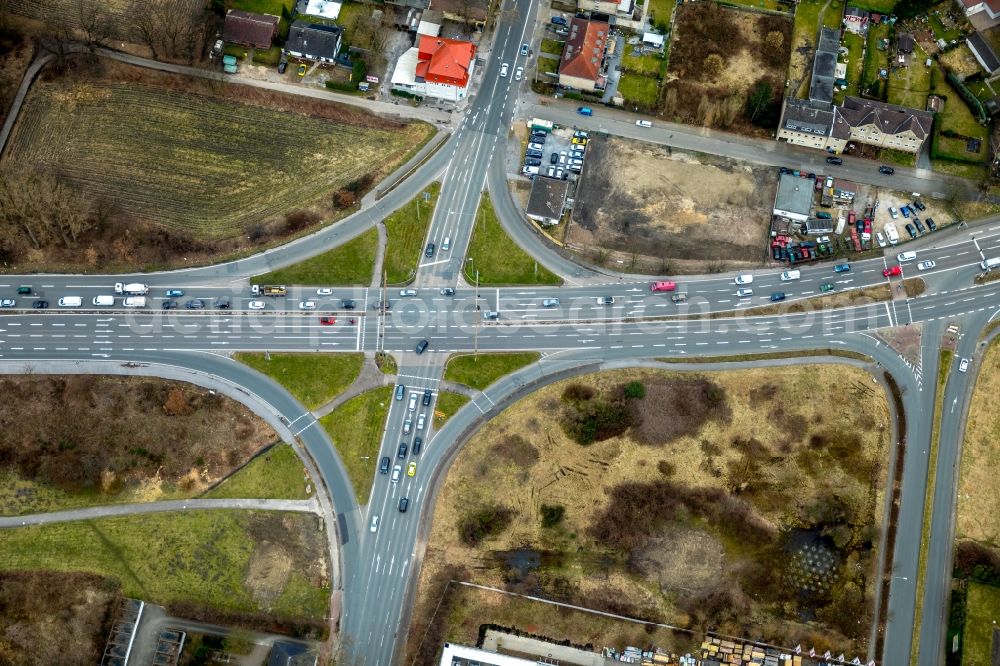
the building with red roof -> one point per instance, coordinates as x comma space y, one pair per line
583, 56
436, 67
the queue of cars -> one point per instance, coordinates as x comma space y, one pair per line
560, 163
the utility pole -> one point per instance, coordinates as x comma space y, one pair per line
478, 316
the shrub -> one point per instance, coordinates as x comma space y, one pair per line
635, 390
666, 468
552, 514
517, 450
485, 522
597, 420
300, 219
578, 393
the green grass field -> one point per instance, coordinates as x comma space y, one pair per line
643, 91
406, 230
272, 7
204, 165
552, 46
982, 618
909, 86
197, 556
648, 64
356, 430
349, 264
855, 61
875, 60
314, 379
881, 6
497, 258
834, 14
660, 11
481, 370
447, 404
277, 474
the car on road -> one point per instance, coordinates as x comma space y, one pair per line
906, 256
397, 472
893, 213
374, 526
169, 305
887, 170
834, 160
403, 503
426, 400
585, 110
826, 287
931, 224
491, 314
421, 346
746, 278
777, 296
256, 305
744, 293
407, 426
411, 469
892, 271
663, 286
418, 442
550, 303
926, 265
421, 421
348, 304
518, 73
919, 205
841, 268
503, 70
307, 305
412, 405
400, 392
24, 290
605, 300
383, 468
324, 291
524, 49
964, 365
327, 320
39, 304
8, 303
429, 250
880, 239
679, 298
407, 292
447, 291
643, 123
401, 452
195, 304
302, 70
175, 293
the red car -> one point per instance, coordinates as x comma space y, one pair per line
328, 321
868, 225
850, 218
892, 271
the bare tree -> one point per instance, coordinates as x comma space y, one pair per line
94, 22
37, 207
169, 28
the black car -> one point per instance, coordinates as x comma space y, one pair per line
920, 225
417, 443
429, 250
910, 230
427, 397
379, 305
533, 153
532, 161
538, 138
778, 296
887, 170
421, 346
282, 66
554, 158
348, 304
223, 303
40, 305
403, 503
447, 291
384, 467
919, 205
402, 450
169, 305
195, 304
834, 160
931, 224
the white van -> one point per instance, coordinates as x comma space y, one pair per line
990, 264
134, 301
906, 256
446, 244
70, 302
104, 301
790, 275
891, 233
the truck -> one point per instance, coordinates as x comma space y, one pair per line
268, 290
134, 302
131, 288
990, 264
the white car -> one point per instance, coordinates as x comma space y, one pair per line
407, 292
503, 70
412, 406
407, 426
894, 213
307, 305
324, 291
397, 472
744, 293
518, 73
964, 365
880, 238
256, 305
746, 278
536, 146
421, 420
925, 265
8, 303
374, 526
643, 123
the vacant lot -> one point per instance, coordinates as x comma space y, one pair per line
660, 211
356, 429
164, 168
718, 56
77, 440
978, 491
314, 379
252, 564
720, 500
54, 618
981, 635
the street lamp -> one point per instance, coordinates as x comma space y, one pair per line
476, 348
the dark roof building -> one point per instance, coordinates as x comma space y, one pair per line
249, 29
984, 53
905, 42
547, 200
890, 119
824, 66
856, 15
804, 116
311, 41
287, 653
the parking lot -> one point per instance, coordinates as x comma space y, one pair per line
557, 153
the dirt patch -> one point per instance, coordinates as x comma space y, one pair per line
81, 439
688, 531
267, 572
48, 617
661, 210
905, 340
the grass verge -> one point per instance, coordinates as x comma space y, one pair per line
944, 368
480, 370
552, 46
314, 379
982, 611
350, 263
406, 230
275, 474
447, 404
766, 356
499, 260
356, 430
386, 363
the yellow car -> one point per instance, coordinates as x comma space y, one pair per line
411, 469
302, 70
580, 142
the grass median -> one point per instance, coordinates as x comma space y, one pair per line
314, 379
447, 404
348, 264
356, 430
406, 230
275, 474
480, 370
497, 258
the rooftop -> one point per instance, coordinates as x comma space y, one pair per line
313, 40
548, 196
250, 29
805, 116
584, 49
984, 53
460, 655
795, 194
889, 118
445, 61
824, 66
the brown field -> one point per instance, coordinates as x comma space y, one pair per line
54, 618
978, 495
82, 439
674, 515
670, 212
702, 92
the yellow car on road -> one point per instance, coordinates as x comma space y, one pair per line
411, 469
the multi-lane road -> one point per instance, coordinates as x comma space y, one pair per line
578, 332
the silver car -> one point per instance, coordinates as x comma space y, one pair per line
397, 472
307, 305
407, 292
550, 303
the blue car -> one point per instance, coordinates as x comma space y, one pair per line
905, 210
841, 268
173, 293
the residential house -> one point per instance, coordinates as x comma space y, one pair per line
982, 13
824, 66
805, 123
289, 653
984, 53
583, 56
436, 67
830, 128
623, 11
905, 42
417, 4
844, 190
249, 29
310, 41
471, 13
547, 200
856, 19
